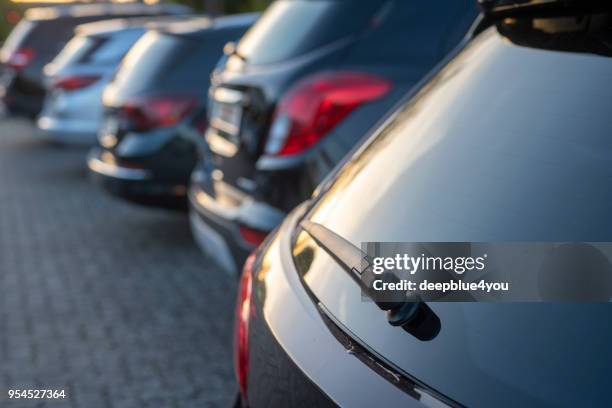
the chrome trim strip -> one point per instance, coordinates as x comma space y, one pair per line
220, 145
106, 169
255, 214
229, 96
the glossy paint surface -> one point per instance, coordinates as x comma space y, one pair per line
509, 141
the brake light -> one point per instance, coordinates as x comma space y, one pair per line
74, 82
252, 236
20, 59
315, 105
146, 113
244, 311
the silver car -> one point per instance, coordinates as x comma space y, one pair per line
75, 80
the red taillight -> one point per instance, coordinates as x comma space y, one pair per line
317, 104
20, 59
146, 113
74, 82
244, 311
252, 236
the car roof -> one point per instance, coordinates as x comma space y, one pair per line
236, 20
92, 10
201, 26
152, 22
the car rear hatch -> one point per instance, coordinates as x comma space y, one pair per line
291, 39
45, 31
474, 157
29, 47
85, 62
161, 83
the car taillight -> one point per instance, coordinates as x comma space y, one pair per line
315, 105
146, 113
20, 59
244, 311
252, 236
74, 82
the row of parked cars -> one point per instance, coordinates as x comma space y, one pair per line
385, 120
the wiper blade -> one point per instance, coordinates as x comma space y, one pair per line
352, 259
410, 313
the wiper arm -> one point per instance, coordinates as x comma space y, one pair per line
410, 313
352, 259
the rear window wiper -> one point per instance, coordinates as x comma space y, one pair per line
410, 313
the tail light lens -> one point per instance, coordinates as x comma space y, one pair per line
148, 113
74, 82
317, 104
244, 311
20, 59
252, 236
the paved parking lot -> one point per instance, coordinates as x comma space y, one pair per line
109, 301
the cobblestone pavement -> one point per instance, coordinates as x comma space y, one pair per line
110, 301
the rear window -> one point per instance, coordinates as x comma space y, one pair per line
74, 51
114, 47
161, 62
150, 56
509, 142
50, 36
290, 28
96, 49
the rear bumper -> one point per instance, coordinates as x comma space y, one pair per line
68, 131
222, 222
214, 244
129, 183
18, 103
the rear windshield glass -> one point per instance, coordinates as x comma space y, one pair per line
509, 142
74, 51
161, 62
48, 37
145, 61
290, 28
114, 47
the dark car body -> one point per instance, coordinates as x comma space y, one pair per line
380, 47
41, 35
509, 141
155, 110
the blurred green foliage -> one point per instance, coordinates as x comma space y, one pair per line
10, 12
241, 6
227, 6
5, 10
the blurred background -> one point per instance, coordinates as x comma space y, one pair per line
147, 148
12, 10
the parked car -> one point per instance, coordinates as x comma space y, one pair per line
155, 110
296, 94
75, 79
41, 35
509, 141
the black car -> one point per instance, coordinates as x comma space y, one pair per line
296, 94
509, 141
155, 110
41, 35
